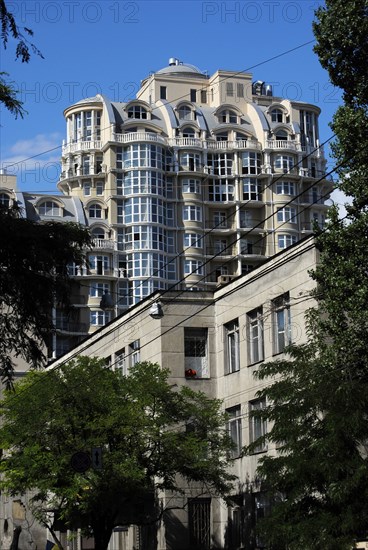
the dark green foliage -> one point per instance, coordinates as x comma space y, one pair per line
140, 423
23, 49
318, 397
33, 277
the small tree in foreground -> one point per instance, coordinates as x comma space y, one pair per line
151, 434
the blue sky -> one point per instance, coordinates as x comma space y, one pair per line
109, 46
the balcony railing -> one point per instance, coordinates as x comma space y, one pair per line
81, 146
138, 136
104, 244
291, 145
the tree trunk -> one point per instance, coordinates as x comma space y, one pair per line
102, 531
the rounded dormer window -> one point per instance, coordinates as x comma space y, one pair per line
281, 135
277, 115
49, 208
137, 111
95, 211
227, 116
188, 132
185, 113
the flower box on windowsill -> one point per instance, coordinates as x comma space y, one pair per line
190, 373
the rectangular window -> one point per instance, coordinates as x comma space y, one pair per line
255, 336
192, 213
99, 318
284, 162
257, 425
87, 189
135, 352
284, 241
97, 290
219, 219
193, 267
252, 191
199, 519
240, 89
99, 187
286, 215
196, 362
251, 163
194, 240
163, 92
229, 89
121, 362
285, 188
193, 96
232, 362
282, 322
191, 186
234, 429
203, 96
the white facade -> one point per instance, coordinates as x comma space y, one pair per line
248, 321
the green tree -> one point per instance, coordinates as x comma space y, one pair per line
33, 277
23, 50
149, 432
318, 406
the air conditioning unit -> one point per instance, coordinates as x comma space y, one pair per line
224, 279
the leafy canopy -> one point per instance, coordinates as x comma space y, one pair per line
318, 397
149, 432
33, 278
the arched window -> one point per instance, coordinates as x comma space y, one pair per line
277, 115
49, 208
98, 233
137, 111
228, 117
281, 135
4, 200
185, 113
95, 211
188, 132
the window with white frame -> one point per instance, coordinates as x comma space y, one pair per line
190, 185
135, 352
281, 135
49, 208
255, 335
99, 264
277, 115
281, 323
188, 132
232, 347
195, 240
193, 267
285, 162
95, 211
100, 187
220, 219
192, 213
285, 188
87, 188
286, 215
99, 317
185, 113
284, 240
257, 425
97, 289
234, 426
220, 164
221, 191
190, 161
121, 362
252, 191
137, 111
251, 162
239, 89
196, 362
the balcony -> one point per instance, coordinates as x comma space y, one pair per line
229, 251
238, 144
104, 244
185, 142
132, 137
80, 146
284, 144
